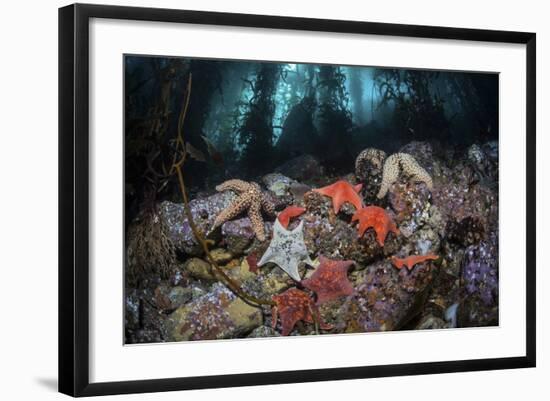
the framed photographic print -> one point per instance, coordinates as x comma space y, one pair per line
249, 199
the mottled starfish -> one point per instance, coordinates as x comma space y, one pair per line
407, 164
330, 279
292, 306
287, 249
250, 199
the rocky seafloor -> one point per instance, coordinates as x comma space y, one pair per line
457, 220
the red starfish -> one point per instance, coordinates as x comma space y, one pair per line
288, 213
377, 218
252, 261
330, 280
412, 260
294, 305
340, 192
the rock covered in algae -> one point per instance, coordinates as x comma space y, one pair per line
368, 170
238, 235
199, 269
301, 168
235, 268
466, 232
386, 298
459, 195
422, 152
278, 183
431, 322
168, 298
409, 201
264, 331
218, 314
221, 256
337, 237
204, 212
131, 310
456, 220
480, 284
144, 323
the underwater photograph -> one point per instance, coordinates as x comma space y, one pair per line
267, 199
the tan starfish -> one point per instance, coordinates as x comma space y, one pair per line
408, 164
369, 157
251, 199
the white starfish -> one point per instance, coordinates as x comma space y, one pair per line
287, 249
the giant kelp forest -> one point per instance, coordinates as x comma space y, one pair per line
383, 181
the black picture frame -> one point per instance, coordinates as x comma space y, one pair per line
74, 198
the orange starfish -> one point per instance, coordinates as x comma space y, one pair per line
412, 260
294, 305
340, 192
377, 218
288, 213
330, 280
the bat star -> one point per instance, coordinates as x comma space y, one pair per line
287, 249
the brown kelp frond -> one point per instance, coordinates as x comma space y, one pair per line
177, 168
149, 248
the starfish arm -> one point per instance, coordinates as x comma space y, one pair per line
307, 260
325, 326
283, 219
287, 323
383, 189
323, 191
361, 159
390, 174
255, 215
237, 207
357, 202
233, 185
274, 317
267, 257
394, 229
374, 157
267, 206
424, 177
337, 203
304, 254
289, 212
292, 269
411, 167
299, 230
380, 236
396, 262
